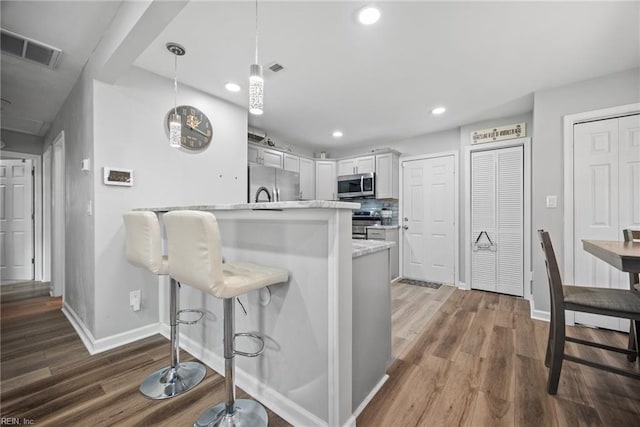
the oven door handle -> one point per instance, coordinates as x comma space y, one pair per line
362, 184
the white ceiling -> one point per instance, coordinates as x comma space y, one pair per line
377, 84
36, 92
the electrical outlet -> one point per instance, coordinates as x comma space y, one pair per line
134, 300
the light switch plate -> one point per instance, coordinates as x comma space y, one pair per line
86, 165
552, 201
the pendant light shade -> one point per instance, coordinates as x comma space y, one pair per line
175, 121
256, 81
256, 89
175, 130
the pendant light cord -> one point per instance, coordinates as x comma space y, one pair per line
175, 85
256, 31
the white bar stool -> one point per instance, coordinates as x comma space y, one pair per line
194, 250
144, 249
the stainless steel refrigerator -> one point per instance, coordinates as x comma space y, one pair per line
281, 184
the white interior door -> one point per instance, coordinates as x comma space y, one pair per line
16, 220
429, 219
629, 170
606, 200
497, 220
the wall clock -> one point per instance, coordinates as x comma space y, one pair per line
196, 128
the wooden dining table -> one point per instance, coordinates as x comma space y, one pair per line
625, 256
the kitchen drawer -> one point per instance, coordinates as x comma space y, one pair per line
374, 234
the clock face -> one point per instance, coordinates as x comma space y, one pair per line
196, 128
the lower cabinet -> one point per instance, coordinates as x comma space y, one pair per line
391, 234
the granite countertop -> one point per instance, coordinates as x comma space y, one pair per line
365, 247
384, 227
308, 204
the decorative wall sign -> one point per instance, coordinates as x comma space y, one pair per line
118, 176
501, 133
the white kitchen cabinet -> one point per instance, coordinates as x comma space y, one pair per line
307, 179
364, 164
326, 184
387, 176
291, 162
265, 156
389, 234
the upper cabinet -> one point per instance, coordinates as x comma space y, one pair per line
265, 156
326, 183
291, 162
364, 164
387, 176
307, 179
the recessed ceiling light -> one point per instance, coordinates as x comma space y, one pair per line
337, 134
438, 110
368, 15
232, 87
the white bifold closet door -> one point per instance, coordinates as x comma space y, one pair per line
497, 220
606, 191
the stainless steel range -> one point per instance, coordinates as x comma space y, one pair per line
361, 220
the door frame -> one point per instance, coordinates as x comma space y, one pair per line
568, 122
58, 221
456, 210
36, 161
489, 146
47, 164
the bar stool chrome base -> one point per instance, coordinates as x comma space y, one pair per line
172, 381
246, 413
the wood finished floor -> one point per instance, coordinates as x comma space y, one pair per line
48, 376
478, 362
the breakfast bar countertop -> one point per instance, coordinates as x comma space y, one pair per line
365, 247
305, 204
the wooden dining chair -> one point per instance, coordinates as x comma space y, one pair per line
619, 303
634, 284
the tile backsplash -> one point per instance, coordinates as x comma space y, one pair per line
379, 204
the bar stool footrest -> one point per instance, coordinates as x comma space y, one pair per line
252, 336
190, 310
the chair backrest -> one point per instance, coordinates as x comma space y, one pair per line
144, 241
553, 275
631, 235
193, 240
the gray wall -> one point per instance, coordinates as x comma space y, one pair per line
550, 107
129, 132
75, 118
22, 142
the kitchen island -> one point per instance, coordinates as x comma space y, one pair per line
308, 373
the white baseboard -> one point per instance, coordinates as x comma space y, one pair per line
463, 286
545, 316
369, 397
83, 332
95, 346
277, 402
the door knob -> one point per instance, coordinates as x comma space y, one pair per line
405, 227
406, 219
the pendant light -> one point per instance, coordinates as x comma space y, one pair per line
256, 81
175, 121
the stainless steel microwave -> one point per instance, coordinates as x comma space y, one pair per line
359, 185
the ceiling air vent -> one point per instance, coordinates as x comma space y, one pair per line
275, 67
31, 50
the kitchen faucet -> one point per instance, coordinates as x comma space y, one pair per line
261, 189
